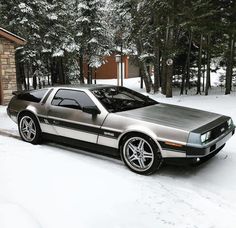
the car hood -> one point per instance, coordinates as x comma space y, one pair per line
172, 116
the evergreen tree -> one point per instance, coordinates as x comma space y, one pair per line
91, 34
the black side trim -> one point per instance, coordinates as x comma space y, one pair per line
80, 127
91, 147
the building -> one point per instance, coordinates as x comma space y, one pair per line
111, 69
8, 44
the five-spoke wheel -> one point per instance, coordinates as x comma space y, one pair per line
29, 128
141, 154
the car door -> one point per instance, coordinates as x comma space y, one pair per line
66, 115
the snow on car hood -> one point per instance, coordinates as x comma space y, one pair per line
172, 116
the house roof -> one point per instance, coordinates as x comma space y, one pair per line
12, 37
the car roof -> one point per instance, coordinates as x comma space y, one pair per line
85, 86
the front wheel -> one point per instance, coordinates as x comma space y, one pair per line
29, 128
141, 154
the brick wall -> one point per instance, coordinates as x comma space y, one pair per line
7, 70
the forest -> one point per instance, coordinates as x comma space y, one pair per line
179, 39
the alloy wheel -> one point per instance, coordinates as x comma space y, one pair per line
27, 128
138, 154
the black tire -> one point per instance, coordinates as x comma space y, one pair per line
140, 154
29, 128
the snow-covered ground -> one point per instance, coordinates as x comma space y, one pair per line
52, 186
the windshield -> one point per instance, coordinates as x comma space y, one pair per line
117, 99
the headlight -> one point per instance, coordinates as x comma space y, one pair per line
230, 122
205, 137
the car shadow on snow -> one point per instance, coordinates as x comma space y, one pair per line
187, 171
84, 152
170, 170
11, 134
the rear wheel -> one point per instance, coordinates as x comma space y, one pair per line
141, 154
29, 128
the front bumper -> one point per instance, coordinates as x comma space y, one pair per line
192, 161
208, 148
196, 153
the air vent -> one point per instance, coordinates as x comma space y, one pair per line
213, 148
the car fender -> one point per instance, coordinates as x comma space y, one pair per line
30, 109
142, 130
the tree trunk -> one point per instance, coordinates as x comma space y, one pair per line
188, 62
203, 75
63, 71
53, 71
48, 68
199, 75
169, 74
232, 58
183, 80
81, 67
208, 64
22, 67
19, 76
34, 81
163, 75
141, 77
26, 69
89, 75
121, 66
143, 68
229, 70
145, 77
156, 85
169, 65
60, 71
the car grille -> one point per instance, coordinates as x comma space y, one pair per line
219, 130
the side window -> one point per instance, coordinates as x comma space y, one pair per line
71, 99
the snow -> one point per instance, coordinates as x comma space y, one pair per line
93, 40
144, 56
25, 8
58, 53
51, 185
23, 20
53, 16
82, 6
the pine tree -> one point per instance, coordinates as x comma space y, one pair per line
90, 33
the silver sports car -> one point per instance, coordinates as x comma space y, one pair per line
120, 122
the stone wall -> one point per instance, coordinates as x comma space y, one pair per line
7, 70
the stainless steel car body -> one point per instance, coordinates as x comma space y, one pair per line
176, 130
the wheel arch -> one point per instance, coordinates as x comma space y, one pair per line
139, 132
31, 112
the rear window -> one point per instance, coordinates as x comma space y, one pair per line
33, 96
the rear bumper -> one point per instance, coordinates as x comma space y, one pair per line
12, 114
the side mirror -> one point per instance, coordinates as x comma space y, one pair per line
91, 110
